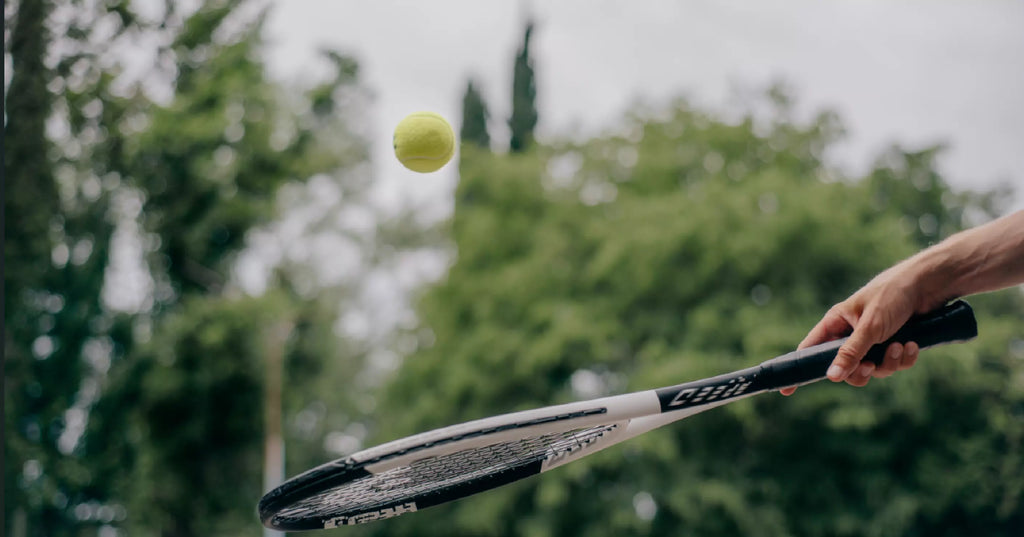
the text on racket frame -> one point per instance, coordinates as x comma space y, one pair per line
703, 394
370, 516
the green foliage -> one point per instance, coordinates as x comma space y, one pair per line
194, 423
524, 97
209, 163
172, 396
31, 193
685, 247
190, 403
58, 232
31, 200
474, 118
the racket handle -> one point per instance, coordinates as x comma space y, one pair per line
949, 324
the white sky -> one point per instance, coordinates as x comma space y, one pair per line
914, 71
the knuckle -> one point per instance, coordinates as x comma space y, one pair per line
846, 357
837, 311
872, 326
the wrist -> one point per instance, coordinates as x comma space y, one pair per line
938, 276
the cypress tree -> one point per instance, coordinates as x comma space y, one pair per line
524, 97
474, 118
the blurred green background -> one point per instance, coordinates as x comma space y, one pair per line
145, 385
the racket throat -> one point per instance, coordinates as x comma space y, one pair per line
592, 442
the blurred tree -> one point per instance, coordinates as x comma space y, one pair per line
188, 404
61, 160
186, 407
88, 157
686, 247
524, 97
31, 201
474, 118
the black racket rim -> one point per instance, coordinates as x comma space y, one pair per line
340, 472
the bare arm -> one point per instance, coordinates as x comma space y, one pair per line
985, 258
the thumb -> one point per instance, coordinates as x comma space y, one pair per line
853, 350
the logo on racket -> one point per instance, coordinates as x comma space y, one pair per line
370, 516
695, 395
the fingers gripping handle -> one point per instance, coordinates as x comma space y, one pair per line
948, 324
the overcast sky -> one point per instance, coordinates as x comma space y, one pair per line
914, 71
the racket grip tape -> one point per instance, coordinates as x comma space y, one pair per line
949, 324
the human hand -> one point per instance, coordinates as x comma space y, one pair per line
985, 258
873, 314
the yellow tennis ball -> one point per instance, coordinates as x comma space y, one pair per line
424, 142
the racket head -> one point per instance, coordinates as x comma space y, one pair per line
439, 466
346, 492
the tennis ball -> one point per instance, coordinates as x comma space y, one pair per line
424, 142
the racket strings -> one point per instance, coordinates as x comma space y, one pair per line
436, 474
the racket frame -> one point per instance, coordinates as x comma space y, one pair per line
626, 415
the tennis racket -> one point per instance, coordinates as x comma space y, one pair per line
445, 464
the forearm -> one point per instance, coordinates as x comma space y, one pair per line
985, 258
